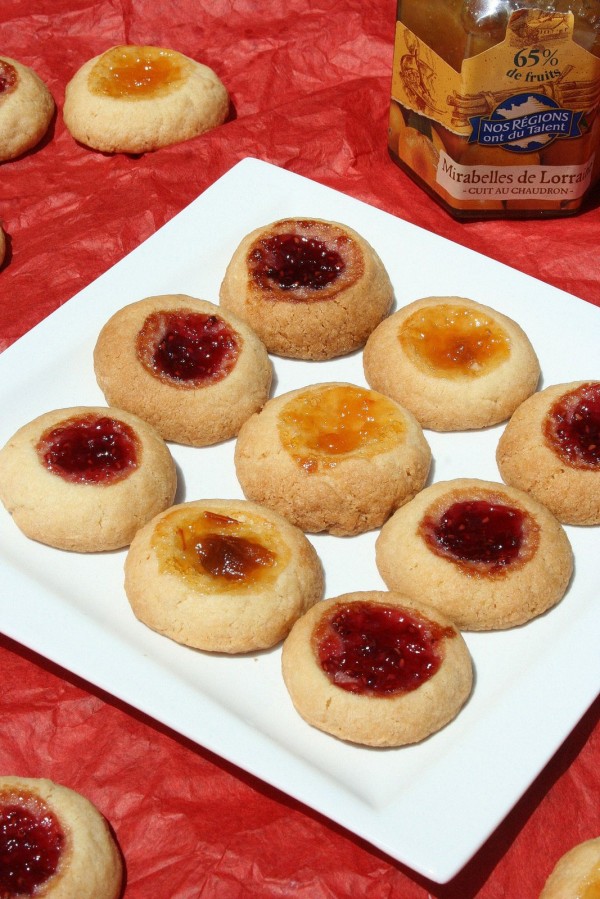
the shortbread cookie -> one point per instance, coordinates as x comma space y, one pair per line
54, 843
376, 668
311, 289
577, 873
194, 372
551, 448
133, 99
332, 457
455, 364
222, 575
488, 556
85, 478
26, 108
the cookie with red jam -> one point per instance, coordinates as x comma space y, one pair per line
551, 449
222, 575
332, 457
488, 556
54, 843
134, 99
576, 874
85, 478
456, 364
26, 108
376, 668
311, 289
195, 372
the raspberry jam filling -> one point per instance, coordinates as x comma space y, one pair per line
572, 427
90, 449
188, 349
136, 73
292, 261
31, 845
378, 650
322, 426
480, 533
454, 341
8, 77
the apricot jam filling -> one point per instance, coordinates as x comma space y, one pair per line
482, 534
138, 73
590, 889
454, 341
8, 78
188, 349
219, 553
31, 844
322, 426
572, 427
303, 261
378, 650
90, 449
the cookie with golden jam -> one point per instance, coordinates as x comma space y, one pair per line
311, 289
222, 575
456, 364
133, 99
332, 457
26, 108
486, 555
576, 875
54, 843
376, 668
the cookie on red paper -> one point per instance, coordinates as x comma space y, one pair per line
26, 108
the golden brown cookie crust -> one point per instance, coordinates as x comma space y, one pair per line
575, 872
375, 720
84, 517
207, 611
26, 109
198, 416
526, 460
91, 866
195, 102
453, 399
346, 494
470, 595
306, 323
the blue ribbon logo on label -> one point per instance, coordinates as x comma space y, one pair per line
524, 123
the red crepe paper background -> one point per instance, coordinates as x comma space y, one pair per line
309, 82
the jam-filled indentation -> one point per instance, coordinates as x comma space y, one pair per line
90, 449
188, 349
8, 78
321, 427
378, 650
454, 341
137, 72
572, 427
31, 844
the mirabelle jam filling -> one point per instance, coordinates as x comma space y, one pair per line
90, 449
188, 349
378, 650
31, 844
8, 77
322, 426
137, 73
572, 427
482, 535
218, 552
453, 341
303, 261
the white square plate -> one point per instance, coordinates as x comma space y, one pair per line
429, 806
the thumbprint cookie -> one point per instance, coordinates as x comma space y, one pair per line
85, 478
576, 874
551, 449
194, 372
26, 108
376, 668
332, 457
455, 364
488, 556
222, 575
311, 289
133, 99
54, 843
